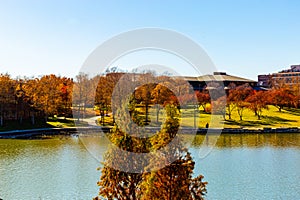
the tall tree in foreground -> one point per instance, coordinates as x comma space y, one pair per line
173, 181
115, 183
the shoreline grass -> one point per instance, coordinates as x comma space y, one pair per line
271, 118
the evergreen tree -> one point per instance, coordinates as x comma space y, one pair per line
174, 181
168, 165
121, 181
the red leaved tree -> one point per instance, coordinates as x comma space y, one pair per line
203, 99
238, 97
257, 102
280, 97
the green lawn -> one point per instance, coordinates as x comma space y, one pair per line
271, 118
63, 123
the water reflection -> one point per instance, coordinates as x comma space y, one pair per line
241, 166
251, 140
57, 168
251, 166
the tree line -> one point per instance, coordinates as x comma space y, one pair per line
240, 98
51, 95
32, 98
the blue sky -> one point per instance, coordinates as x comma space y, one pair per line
243, 38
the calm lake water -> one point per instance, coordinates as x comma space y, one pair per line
239, 167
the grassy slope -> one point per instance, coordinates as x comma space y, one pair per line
61, 123
271, 118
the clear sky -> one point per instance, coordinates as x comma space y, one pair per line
243, 37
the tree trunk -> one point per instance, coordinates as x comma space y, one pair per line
84, 111
32, 119
102, 117
46, 118
157, 116
78, 113
147, 111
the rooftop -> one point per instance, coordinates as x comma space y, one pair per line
219, 76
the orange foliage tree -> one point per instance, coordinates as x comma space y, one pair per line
280, 97
174, 181
7, 95
203, 99
238, 97
257, 102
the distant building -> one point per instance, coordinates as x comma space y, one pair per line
288, 76
264, 80
203, 82
294, 68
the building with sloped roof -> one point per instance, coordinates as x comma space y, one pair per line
218, 78
289, 77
